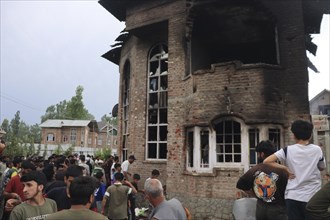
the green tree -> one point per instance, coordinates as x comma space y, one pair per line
38, 150
73, 109
76, 109
45, 151
69, 151
58, 150
35, 133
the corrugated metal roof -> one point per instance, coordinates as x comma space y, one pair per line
58, 123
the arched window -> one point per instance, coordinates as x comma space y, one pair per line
157, 103
228, 142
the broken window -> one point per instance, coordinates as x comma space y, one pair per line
125, 101
253, 142
228, 142
204, 148
238, 31
157, 102
274, 135
190, 149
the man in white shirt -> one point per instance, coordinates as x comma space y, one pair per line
125, 166
304, 162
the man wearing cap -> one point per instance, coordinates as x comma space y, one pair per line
35, 206
125, 166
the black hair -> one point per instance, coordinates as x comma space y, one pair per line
81, 189
74, 171
116, 158
99, 174
136, 176
48, 170
117, 165
60, 174
119, 176
267, 147
26, 164
37, 176
155, 172
302, 130
82, 157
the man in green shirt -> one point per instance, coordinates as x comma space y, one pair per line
35, 205
81, 192
115, 198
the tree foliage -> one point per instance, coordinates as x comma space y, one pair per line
72, 109
20, 137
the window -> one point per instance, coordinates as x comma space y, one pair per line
190, 149
50, 137
82, 137
157, 103
125, 101
253, 141
73, 135
65, 138
228, 142
274, 135
204, 148
99, 141
245, 32
324, 109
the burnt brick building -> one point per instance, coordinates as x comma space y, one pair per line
202, 82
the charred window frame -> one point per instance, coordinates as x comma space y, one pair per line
199, 149
274, 135
157, 103
190, 149
228, 142
204, 148
125, 101
253, 142
243, 32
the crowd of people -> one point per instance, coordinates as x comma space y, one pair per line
69, 187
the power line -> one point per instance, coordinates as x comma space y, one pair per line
17, 101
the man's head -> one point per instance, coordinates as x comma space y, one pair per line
82, 158
116, 159
302, 130
72, 172
155, 174
99, 175
265, 149
34, 183
17, 162
81, 190
131, 159
136, 177
154, 192
27, 166
117, 167
119, 177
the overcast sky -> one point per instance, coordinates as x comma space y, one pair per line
48, 48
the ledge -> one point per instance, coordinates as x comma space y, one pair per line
154, 161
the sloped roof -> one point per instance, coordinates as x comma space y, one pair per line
324, 92
58, 123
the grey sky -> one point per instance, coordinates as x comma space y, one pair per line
48, 48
